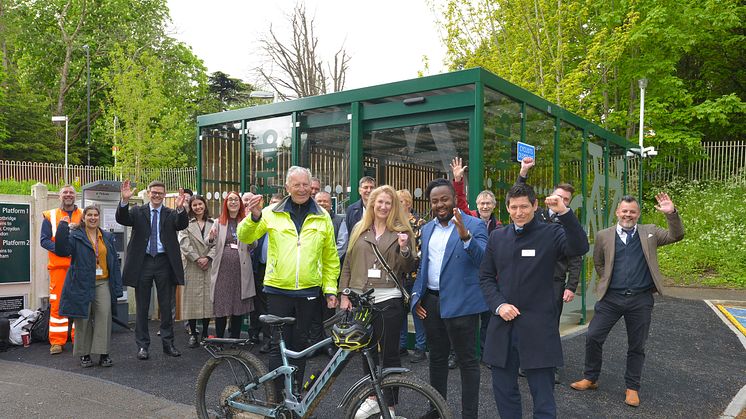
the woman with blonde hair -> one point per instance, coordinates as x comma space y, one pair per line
384, 227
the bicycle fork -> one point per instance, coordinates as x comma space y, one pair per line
376, 374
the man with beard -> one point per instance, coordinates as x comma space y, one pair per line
626, 260
446, 294
58, 265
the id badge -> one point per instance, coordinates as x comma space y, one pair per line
234, 245
374, 273
99, 271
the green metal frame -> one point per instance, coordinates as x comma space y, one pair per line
460, 96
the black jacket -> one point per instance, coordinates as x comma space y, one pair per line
138, 217
353, 214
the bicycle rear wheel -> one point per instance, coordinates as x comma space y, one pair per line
414, 399
224, 376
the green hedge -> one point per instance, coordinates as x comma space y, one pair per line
23, 187
713, 252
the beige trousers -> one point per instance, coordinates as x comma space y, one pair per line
93, 335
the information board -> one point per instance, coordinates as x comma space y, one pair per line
15, 242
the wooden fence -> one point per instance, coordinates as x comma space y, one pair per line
55, 174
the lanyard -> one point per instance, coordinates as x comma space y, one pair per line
95, 245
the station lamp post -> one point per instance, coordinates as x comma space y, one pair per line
65, 120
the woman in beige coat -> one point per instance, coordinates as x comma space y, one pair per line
232, 277
385, 225
197, 254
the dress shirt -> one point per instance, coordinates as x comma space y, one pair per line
623, 234
436, 252
160, 249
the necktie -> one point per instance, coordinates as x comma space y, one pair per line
154, 234
629, 231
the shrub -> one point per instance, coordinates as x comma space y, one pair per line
713, 252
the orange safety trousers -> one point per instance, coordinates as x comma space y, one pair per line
58, 325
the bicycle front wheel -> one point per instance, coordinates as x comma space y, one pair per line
224, 376
411, 399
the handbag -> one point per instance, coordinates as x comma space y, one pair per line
382, 261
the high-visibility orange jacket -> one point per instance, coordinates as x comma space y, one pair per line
54, 216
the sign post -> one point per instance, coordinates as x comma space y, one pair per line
15, 243
525, 150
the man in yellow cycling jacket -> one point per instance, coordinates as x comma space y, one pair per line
302, 259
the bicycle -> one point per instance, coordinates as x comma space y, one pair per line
235, 383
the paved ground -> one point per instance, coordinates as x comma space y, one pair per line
694, 367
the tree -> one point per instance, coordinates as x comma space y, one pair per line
295, 69
229, 92
588, 55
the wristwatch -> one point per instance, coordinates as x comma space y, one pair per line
468, 237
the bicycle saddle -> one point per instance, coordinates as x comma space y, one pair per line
272, 319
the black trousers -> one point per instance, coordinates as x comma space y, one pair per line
387, 323
260, 305
462, 332
234, 330
637, 311
296, 336
154, 270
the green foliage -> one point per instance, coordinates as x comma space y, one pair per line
713, 252
588, 55
15, 187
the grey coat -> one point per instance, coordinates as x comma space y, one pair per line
195, 297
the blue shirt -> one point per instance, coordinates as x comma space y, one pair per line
436, 251
160, 249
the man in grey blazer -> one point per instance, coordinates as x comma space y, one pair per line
626, 260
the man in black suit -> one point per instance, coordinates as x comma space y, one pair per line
355, 211
153, 255
516, 277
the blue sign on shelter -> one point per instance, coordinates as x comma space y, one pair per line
525, 150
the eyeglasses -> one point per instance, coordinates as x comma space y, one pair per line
156, 193
233, 200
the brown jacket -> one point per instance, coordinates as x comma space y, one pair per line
361, 258
651, 237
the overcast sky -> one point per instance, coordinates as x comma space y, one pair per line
385, 38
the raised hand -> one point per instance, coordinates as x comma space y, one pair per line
254, 206
526, 163
665, 205
556, 204
127, 190
181, 198
463, 233
213, 233
457, 169
403, 240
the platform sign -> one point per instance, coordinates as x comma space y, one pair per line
525, 150
15, 242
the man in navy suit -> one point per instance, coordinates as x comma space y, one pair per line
153, 256
354, 212
446, 294
516, 277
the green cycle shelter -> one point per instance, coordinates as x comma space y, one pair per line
406, 133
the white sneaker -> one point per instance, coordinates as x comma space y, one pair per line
367, 409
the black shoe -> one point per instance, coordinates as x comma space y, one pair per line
418, 356
105, 360
143, 354
452, 364
265, 348
171, 350
521, 373
193, 341
85, 361
403, 352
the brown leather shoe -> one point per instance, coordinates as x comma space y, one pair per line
584, 384
632, 398
55, 349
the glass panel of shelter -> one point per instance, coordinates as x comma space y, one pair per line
409, 157
220, 162
325, 150
268, 154
540, 134
502, 129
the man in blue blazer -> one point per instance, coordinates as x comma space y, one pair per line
354, 212
446, 294
516, 277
